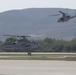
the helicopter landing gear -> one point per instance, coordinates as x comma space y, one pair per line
29, 53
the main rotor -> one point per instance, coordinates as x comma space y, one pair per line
23, 36
18, 36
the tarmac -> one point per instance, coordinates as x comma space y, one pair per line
37, 67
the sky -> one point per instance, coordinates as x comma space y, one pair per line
6, 5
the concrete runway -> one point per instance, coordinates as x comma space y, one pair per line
37, 67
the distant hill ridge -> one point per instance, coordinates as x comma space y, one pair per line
37, 21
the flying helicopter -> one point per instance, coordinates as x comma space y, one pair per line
65, 17
21, 43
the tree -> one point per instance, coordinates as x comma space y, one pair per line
10, 40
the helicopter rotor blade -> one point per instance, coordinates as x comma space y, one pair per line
71, 12
33, 35
22, 36
17, 35
55, 15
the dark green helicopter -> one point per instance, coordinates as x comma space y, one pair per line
65, 16
21, 43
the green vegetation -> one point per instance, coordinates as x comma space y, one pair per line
57, 45
35, 56
46, 45
9, 40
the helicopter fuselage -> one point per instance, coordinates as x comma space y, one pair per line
20, 44
64, 19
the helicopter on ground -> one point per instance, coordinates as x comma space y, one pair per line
65, 17
20, 44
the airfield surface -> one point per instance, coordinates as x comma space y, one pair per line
37, 56
37, 67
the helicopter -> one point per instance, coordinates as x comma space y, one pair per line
65, 17
20, 44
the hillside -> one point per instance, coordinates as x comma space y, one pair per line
37, 21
